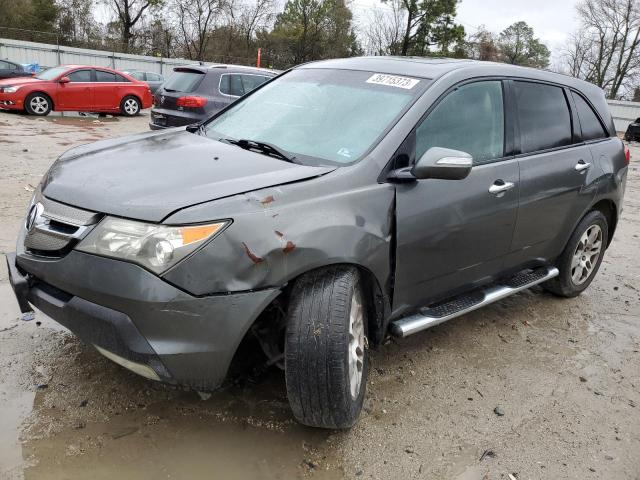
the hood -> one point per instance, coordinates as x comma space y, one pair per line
19, 81
149, 176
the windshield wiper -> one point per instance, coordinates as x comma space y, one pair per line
260, 147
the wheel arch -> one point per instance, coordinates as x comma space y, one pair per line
609, 209
134, 95
41, 92
378, 306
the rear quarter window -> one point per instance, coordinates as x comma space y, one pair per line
184, 81
592, 129
543, 116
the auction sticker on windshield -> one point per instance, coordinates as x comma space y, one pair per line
393, 81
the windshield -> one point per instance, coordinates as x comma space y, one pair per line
320, 116
51, 73
185, 81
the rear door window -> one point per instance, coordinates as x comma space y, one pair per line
80, 76
185, 81
591, 127
231, 84
154, 77
543, 116
137, 75
102, 76
470, 119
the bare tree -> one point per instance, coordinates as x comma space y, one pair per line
129, 13
606, 50
254, 16
483, 45
384, 28
196, 19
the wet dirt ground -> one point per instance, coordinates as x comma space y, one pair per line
563, 374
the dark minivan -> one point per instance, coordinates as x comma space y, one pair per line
194, 93
342, 202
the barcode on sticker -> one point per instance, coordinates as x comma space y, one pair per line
393, 81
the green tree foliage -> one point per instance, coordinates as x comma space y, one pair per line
430, 28
37, 15
310, 30
518, 46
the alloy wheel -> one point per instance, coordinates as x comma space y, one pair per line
39, 105
131, 106
585, 257
357, 344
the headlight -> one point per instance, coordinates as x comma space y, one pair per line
156, 247
10, 89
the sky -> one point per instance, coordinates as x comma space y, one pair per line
552, 20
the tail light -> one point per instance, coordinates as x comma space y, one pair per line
192, 102
627, 154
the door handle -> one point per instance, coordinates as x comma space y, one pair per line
581, 166
499, 187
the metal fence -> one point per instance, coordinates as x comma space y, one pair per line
624, 113
48, 55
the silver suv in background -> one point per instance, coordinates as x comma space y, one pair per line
154, 80
195, 92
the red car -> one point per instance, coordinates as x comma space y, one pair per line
76, 88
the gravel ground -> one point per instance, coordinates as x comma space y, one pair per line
532, 387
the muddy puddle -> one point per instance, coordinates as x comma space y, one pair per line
73, 414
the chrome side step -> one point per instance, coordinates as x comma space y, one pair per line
430, 317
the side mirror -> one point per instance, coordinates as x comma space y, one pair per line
444, 164
64, 80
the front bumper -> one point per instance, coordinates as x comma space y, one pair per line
137, 316
11, 101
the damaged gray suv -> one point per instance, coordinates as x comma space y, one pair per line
344, 201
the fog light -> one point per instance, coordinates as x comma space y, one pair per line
139, 368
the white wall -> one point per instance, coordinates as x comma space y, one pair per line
47, 55
624, 113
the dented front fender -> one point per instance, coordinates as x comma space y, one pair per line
281, 232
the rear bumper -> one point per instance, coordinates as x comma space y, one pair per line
135, 315
164, 118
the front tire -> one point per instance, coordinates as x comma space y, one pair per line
582, 256
326, 349
130, 106
38, 104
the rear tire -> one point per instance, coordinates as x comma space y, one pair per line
38, 104
582, 256
326, 350
130, 106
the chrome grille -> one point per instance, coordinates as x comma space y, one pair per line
66, 214
53, 227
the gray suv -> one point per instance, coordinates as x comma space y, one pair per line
345, 201
194, 93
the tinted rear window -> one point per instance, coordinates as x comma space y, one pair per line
543, 114
102, 76
184, 81
591, 126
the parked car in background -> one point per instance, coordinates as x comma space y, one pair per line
633, 131
10, 69
195, 92
76, 88
154, 80
341, 202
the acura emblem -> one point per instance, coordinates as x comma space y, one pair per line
34, 213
